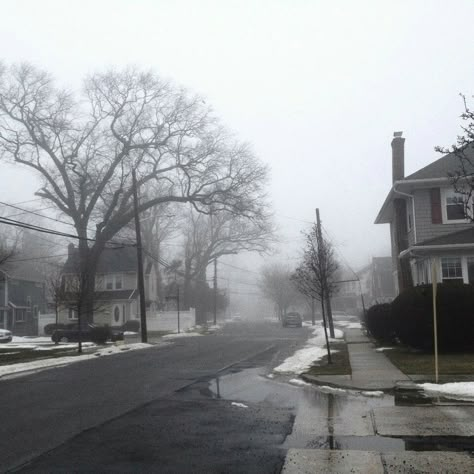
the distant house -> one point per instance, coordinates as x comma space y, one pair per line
374, 282
427, 224
116, 295
22, 298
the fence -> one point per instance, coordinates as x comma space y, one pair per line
168, 320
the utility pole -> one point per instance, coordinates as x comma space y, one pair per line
322, 263
323, 283
141, 280
215, 291
177, 301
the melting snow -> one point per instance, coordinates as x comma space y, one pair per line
455, 389
299, 382
239, 405
181, 334
314, 350
46, 363
381, 349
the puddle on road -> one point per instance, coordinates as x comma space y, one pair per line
339, 420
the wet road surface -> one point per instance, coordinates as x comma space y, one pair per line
243, 419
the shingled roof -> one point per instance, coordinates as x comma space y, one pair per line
111, 260
445, 166
465, 236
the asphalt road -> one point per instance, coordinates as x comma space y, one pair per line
152, 410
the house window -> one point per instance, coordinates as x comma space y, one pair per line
113, 282
19, 315
2, 318
453, 208
109, 282
451, 269
116, 314
72, 315
28, 301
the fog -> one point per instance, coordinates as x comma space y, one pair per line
316, 88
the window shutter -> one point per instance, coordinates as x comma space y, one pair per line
436, 217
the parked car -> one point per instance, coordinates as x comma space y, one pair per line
5, 335
92, 333
50, 328
292, 319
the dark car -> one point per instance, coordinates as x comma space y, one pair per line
50, 328
292, 319
91, 332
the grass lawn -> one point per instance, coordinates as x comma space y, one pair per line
414, 362
340, 362
15, 355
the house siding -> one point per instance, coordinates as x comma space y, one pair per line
425, 229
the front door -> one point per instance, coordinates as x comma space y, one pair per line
117, 316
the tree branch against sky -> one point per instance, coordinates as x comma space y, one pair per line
84, 148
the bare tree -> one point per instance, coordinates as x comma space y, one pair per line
84, 150
316, 275
209, 237
276, 285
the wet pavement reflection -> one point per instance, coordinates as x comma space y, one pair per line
326, 418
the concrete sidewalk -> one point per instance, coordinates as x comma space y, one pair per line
371, 370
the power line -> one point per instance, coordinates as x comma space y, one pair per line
45, 230
239, 268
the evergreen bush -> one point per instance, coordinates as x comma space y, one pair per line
412, 314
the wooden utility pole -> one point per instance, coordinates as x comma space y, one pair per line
177, 302
140, 279
215, 291
323, 283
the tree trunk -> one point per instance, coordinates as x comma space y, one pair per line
329, 317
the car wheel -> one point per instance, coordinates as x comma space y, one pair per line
64, 339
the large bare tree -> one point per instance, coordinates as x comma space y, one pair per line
84, 148
209, 237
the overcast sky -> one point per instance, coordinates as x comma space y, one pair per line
317, 87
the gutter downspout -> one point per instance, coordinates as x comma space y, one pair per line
395, 190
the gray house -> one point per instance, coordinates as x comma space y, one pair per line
116, 295
22, 298
428, 227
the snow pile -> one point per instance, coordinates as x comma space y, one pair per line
181, 334
461, 390
239, 405
299, 382
58, 361
303, 359
30, 340
373, 393
336, 391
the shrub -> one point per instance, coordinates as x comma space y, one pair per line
413, 315
379, 322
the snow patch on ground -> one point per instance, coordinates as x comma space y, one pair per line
373, 393
47, 363
463, 390
381, 349
181, 334
299, 382
239, 405
313, 351
326, 389
270, 376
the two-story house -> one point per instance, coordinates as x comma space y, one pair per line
427, 222
116, 290
22, 298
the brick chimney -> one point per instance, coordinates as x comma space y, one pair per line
398, 156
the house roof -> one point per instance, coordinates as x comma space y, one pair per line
445, 166
461, 237
111, 260
435, 174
